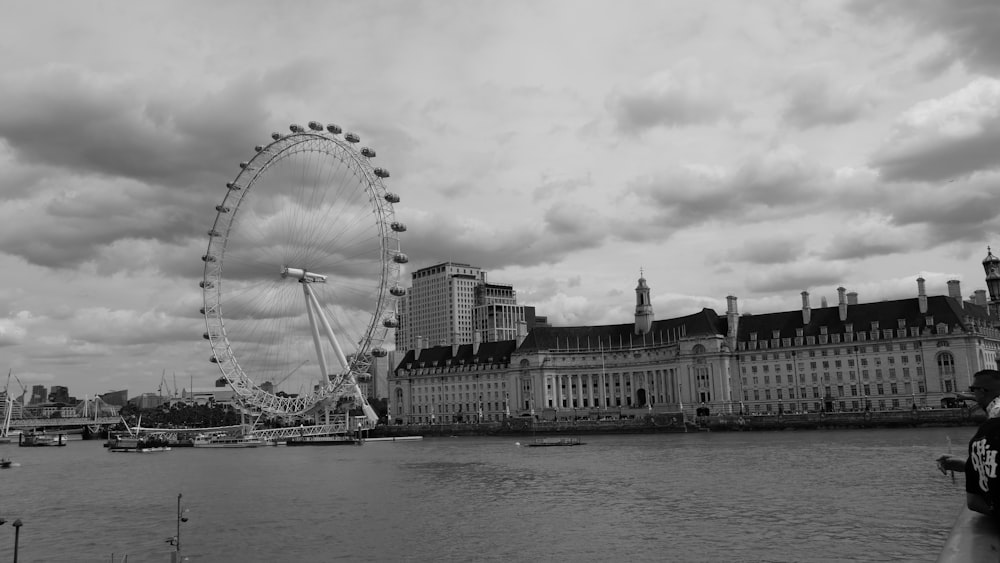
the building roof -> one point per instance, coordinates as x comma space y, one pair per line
489, 352
703, 323
943, 309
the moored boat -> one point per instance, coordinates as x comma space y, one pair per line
334, 440
5, 463
224, 440
39, 439
551, 442
138, 444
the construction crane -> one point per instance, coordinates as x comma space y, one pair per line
289, 374
24, 390
163, 383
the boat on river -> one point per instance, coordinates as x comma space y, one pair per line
224, 440
145, 444
553, 442
5, 463
332, 440
40, 439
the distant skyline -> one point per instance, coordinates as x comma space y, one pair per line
755, 149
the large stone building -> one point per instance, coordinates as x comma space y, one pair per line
850, 356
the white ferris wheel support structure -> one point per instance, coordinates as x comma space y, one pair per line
312, 209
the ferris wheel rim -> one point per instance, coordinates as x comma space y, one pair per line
390, 260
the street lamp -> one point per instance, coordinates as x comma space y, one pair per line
17, 535
175, 541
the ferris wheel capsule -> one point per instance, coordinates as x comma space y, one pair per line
258, 148
315, 125
398, 227
232, 185
390, 322
400, 258
365, 151
397, 290
295, 128
222, 209
379, 352
335, 129
381, 172
276, 136
391, 197
351, 138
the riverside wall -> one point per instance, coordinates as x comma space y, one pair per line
678, 422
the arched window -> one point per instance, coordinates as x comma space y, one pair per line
946, 364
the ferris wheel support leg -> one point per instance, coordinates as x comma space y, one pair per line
338, 351
314, 329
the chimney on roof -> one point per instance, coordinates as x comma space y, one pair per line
822, 302
842, 303
955, 290
852, 298
732, 316
979, 297
806, 311
419, 347
477, 339
922, 296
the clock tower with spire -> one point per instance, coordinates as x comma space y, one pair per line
643, 307
991, 265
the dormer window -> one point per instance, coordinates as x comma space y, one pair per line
775, 334
798, 332
849, 327
929, 320
901, 323
753, 336
822, 330
874, 325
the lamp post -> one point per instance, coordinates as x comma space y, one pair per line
17, 535
176, 540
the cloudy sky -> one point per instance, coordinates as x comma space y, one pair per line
755, 149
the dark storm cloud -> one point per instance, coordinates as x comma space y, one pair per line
815, 101
852, 245
109, 162
677, 98
763, 187
937, 158
969, 26
953, 136
88, 125
563, 231
768, 250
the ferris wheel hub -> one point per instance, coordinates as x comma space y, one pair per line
302, 275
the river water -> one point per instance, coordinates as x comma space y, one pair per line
824, 496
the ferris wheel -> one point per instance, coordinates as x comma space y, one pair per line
301, 272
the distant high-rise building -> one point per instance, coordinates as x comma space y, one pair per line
116, 398
438, 305
59, 394
453, 303
39, 394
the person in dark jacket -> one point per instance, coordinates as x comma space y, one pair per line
982, 484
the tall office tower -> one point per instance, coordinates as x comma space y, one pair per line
438, 306
39, 394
